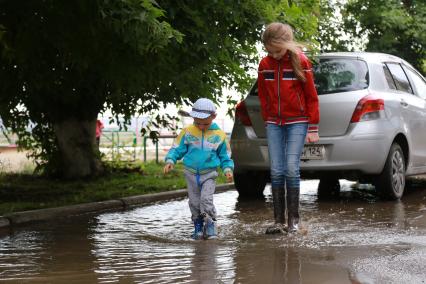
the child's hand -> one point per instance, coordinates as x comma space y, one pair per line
312, 137
168, 167
229, 176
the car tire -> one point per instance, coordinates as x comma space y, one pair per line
390, 183
328, 187
250, 185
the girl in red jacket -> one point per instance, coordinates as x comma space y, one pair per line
289, 104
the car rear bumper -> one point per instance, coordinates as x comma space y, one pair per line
248, 151
362, 150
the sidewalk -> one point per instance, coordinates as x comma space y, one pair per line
19, 218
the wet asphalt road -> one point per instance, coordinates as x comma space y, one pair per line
353, 239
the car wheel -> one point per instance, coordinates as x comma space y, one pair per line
390, 183
328, 187
250, 185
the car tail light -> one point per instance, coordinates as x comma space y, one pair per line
368, 108
242, 114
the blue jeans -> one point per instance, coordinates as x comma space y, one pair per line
285, 144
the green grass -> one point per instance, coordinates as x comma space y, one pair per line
20, 192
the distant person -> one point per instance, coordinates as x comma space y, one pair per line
289, 107
99, 127
203, 147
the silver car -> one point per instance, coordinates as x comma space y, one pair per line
372, 127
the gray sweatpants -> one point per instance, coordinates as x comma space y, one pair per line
200, 193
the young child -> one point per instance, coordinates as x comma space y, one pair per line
289, 106
203, 147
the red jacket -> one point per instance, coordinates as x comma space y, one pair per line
287, 100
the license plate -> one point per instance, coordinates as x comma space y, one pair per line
313, 152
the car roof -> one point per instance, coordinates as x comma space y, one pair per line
376, 57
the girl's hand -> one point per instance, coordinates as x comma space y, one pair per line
229, 176
168, 167
312, 137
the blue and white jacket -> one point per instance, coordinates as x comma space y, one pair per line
202, 151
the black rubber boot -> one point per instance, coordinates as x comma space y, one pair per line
293, 209
278, 199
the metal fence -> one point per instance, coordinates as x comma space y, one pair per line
116, 144
120, 145
127, 145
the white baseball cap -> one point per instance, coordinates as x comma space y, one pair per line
203, 108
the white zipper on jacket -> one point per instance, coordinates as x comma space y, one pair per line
197, 176
202, 143
279, 91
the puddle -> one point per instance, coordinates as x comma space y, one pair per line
353, 239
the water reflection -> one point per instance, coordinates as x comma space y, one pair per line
153, 244
346, 240
13, 248
276, 265
212, 262
61, 252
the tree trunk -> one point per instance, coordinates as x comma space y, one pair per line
79, 153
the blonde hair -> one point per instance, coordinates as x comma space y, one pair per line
282, 34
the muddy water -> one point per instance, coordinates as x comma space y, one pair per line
355, 239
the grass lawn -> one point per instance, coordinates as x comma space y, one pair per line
20, 192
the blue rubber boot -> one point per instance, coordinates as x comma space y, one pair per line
210, 229
198, 228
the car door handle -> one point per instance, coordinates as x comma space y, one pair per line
404, 103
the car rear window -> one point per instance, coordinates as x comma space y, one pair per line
336, 75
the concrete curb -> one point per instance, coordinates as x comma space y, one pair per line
24, 217
50, 213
